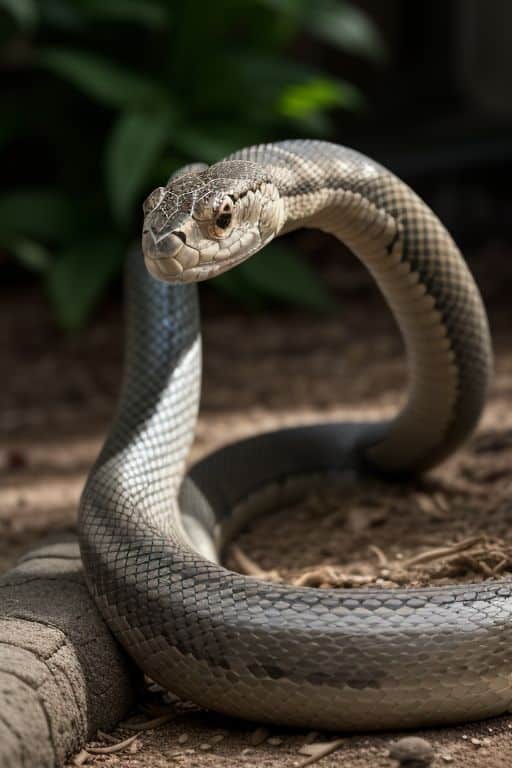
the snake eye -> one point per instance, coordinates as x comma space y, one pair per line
223, 217
223, 221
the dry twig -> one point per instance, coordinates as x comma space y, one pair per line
113, 748
440, 552
318, 750
249, 567
380, 555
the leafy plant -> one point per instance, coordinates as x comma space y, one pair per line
103, 100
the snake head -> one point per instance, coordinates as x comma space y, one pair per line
202, 224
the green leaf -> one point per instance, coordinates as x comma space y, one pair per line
41, 214
277, 273
135, 145
341, 23
29, 253
305, 99
152, 15
79, 276
292, 8
24, 12
271, 72
290, 89
62, 15
207, 143
102, 79
347, 27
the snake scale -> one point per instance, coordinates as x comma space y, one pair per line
151, 535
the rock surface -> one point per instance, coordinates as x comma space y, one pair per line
412, 752
62, 675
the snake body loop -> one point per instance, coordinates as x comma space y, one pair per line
151, 537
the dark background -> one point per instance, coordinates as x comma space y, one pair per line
101, 101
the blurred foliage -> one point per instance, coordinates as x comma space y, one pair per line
103, 99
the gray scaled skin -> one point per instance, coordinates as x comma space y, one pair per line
151, 536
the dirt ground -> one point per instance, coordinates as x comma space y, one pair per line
263, 371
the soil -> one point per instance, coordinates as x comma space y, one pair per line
440, 530
263, 371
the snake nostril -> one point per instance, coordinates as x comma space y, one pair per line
182, 236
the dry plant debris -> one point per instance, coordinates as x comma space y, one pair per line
452, 527
318, 750
113, 748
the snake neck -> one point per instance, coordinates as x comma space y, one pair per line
421, 275
142, 463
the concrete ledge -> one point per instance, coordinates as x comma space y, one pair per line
62, 674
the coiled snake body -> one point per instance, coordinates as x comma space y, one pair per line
150, 538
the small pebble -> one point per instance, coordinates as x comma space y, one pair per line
205, 747
412, 752
476, 742
258, 736
182, 738
447, 758
246, 751
275, 741
218, 738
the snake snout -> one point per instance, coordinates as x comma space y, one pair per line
161, 246
161, 252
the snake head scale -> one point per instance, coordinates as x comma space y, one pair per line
204, 223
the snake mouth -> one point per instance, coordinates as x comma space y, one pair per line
161, 247
169, 269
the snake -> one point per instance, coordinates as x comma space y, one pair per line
152, 530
